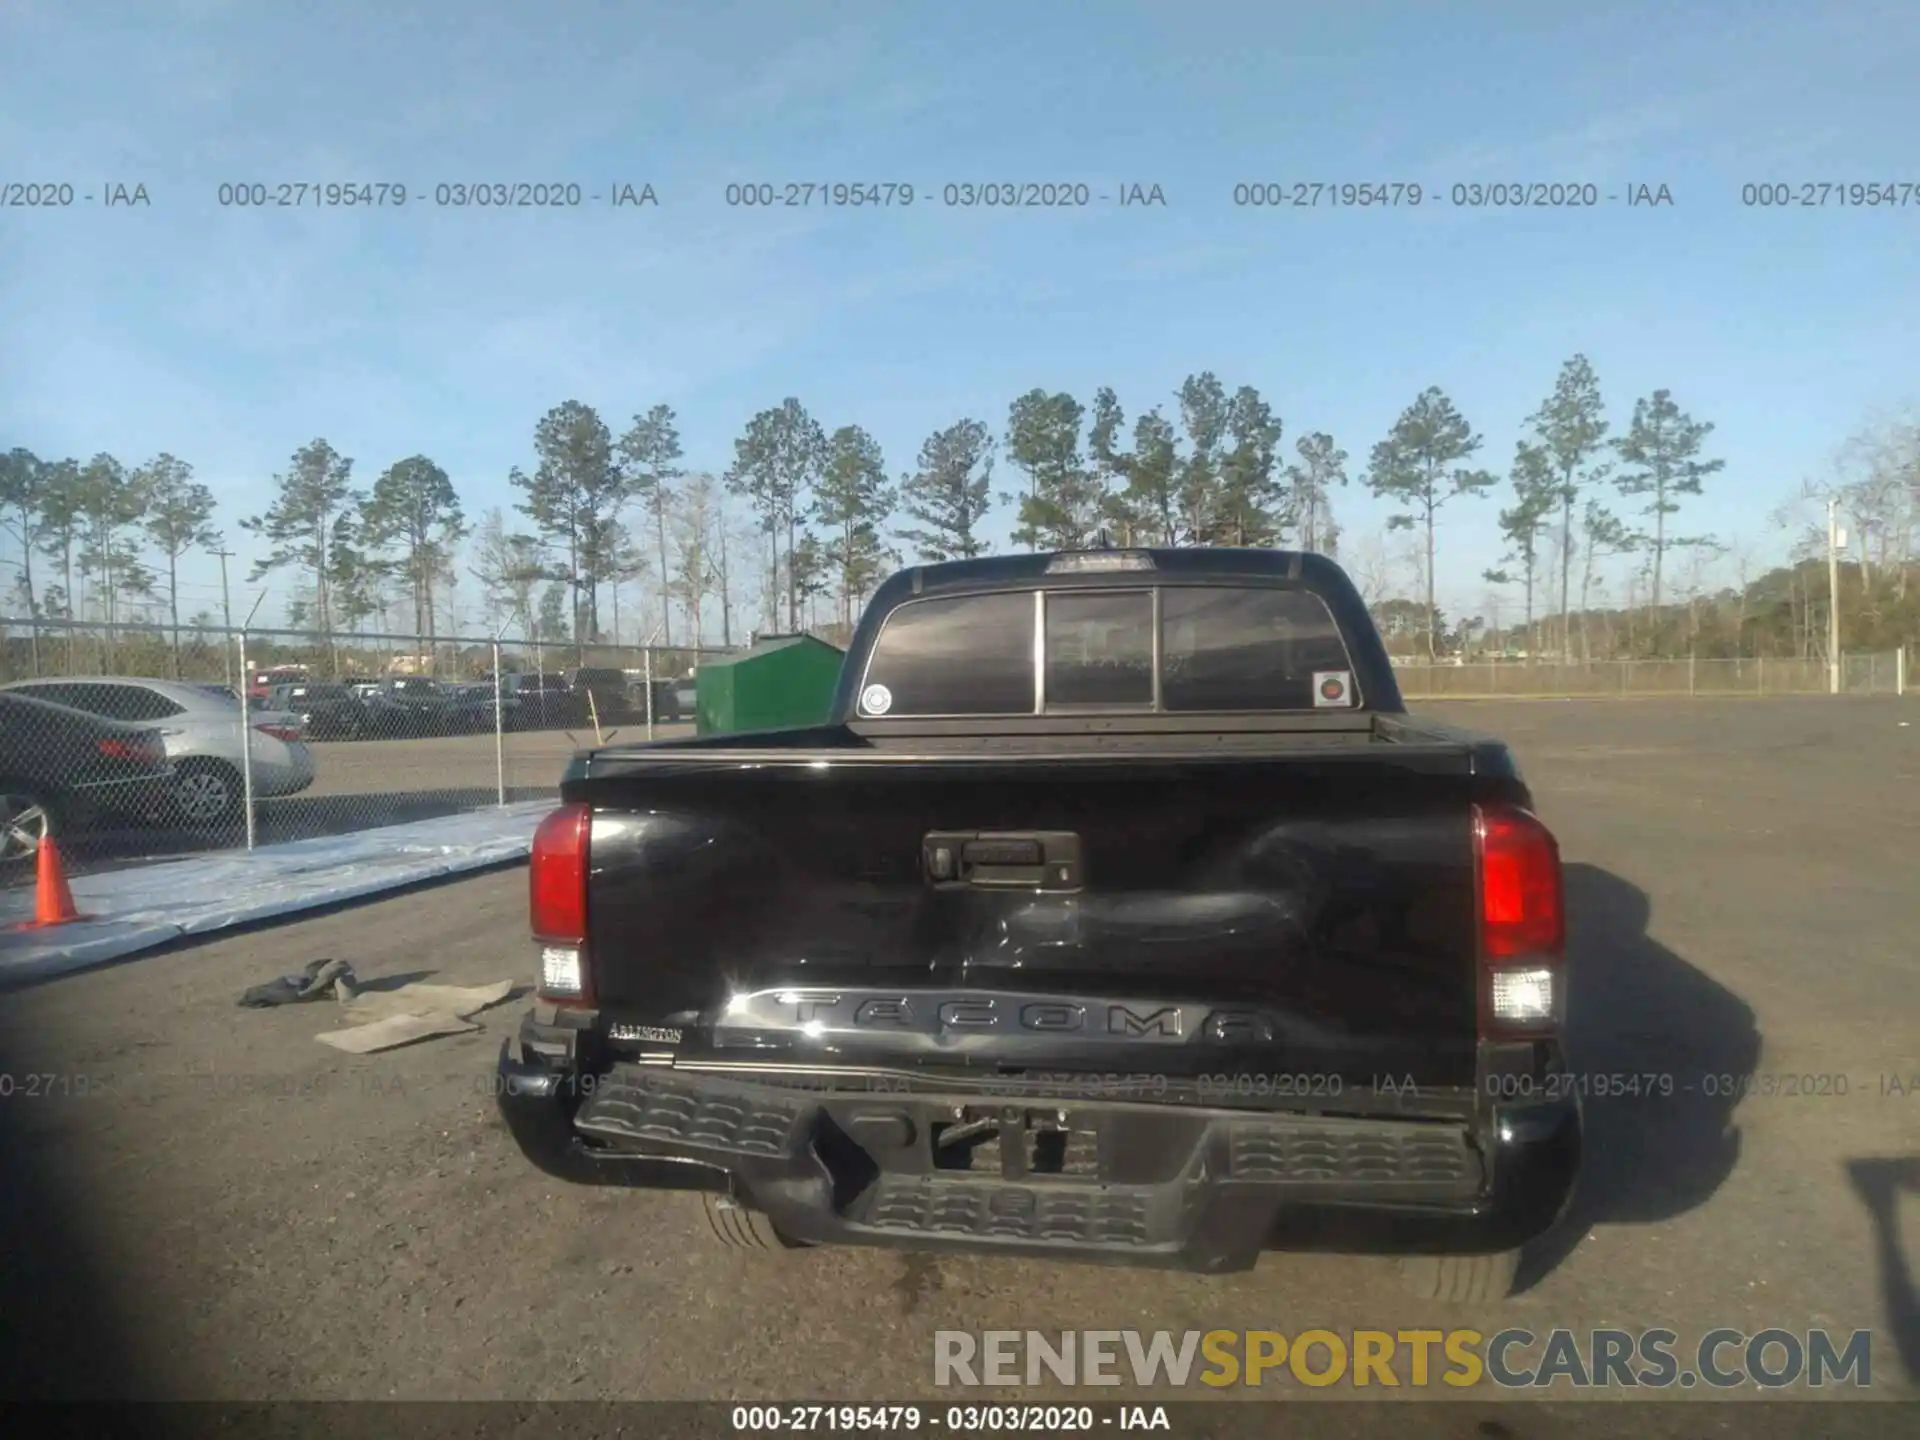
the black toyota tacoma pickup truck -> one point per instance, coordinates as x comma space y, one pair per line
1119, 913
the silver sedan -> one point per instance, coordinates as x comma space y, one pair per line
202, 728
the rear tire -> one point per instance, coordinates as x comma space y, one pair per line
737, 1228
1461, 1279
27, 816
208, 793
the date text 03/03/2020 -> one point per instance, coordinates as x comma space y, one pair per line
1411, 194
1244, 1085
445, 195
952, 195
956, 1419
1659, 1085
1889, 1085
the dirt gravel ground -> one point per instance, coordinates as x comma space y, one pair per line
235, 1211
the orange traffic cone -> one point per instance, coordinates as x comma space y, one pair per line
52, 899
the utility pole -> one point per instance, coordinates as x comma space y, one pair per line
226, 612
1835, 541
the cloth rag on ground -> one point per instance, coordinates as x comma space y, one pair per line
325, 977
384, 1019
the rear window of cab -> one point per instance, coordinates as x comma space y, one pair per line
1220, 649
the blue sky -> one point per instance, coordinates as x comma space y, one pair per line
231, 338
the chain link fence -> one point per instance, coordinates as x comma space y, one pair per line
1875, 674
216, 738
210, 738
1881, 674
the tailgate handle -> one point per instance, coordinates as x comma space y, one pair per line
1024, 853
1003, 860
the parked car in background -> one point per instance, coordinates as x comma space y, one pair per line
330, 712
262, 681
470, 709
202, 731
64, 771
386, 717
668, 703
541, 701
426, 703
602, 693
414, 687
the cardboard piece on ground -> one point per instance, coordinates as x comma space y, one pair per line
394, 1031
422, 999
384, 1019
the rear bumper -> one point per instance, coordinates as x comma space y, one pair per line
1204, 1190
282, 775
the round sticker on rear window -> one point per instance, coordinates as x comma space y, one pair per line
876, 699
1330, 687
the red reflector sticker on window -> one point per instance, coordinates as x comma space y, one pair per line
1332, 689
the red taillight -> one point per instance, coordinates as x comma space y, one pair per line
141, 752
1522, 904
559, 875
557, 894
288, 733
1523, 928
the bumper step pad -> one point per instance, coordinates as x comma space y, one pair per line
1095, 1216
730, 1120
1330, 1153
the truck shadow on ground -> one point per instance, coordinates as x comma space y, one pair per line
65, 1332
1880, 1185
1641, 1017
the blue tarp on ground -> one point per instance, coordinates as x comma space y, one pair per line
147, 905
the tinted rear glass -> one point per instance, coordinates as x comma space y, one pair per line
1251, 649
970, 655
1099, 648
1222, 648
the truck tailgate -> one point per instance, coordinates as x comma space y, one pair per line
1308, 915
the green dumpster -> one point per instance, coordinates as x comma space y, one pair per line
785, 680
